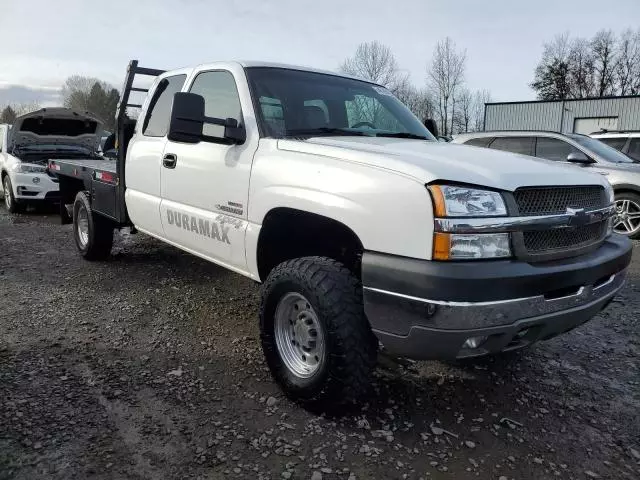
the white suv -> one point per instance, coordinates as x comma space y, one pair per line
34, 138
627, 142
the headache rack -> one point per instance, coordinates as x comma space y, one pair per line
124, 128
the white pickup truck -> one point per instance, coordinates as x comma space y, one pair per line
366, 233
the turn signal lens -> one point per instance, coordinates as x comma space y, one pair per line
441, 246
439, 206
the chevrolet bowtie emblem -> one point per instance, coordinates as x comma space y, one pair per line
577, 217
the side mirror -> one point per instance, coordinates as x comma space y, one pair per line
579, 157
188, 119
432, 126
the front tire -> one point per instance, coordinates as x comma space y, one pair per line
315, 336
10, 202
627, 221
92, 233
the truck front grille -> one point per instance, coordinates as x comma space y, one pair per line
561, 242
555, 200
564, 238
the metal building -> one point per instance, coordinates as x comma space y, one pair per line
580, 116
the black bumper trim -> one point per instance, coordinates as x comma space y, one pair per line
482, 281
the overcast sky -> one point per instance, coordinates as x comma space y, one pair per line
45, 41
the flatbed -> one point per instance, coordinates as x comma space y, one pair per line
104, 179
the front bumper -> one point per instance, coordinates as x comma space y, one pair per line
35, 186
428, 310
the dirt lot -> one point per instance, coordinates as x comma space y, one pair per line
148, 367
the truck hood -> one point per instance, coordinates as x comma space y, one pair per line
56, 126
429, 161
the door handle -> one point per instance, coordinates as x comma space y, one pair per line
169, 160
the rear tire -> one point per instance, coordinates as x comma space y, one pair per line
92, 233
627, 214
329, 319
10, 202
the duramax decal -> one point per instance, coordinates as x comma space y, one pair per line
203, 227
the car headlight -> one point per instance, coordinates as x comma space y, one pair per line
459, 201
455, 201
28, 168
454, 246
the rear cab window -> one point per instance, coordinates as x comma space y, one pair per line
156, 121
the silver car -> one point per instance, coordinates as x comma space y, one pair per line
584, 152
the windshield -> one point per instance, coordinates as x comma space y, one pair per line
294, 103
606, 152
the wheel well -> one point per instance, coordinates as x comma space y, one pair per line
289, 233
625, 190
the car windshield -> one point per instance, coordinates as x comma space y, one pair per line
607, 153
295, 103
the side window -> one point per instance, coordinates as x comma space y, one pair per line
479, 142
221, 98
273, 115
553, 149
634, 148
156, 123
614, 142
523, 145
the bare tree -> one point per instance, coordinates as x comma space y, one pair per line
446, 75
91, 95
551, 79
581, 69
465, 110
8, 115
374, 61
603, 46
627, 70
418, 101
480, 98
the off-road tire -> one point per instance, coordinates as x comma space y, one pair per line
351, 348
14, 205
100, 231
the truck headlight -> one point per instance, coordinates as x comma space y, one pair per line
28, 168
465, 246
457, 201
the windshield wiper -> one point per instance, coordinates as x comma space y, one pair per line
402, 135
323, 132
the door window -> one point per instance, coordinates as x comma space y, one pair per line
479, 142
221, 99
156, 123
514, 144
553, 149
634, 149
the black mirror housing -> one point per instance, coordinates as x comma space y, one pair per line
579, 157
188, 119
432, 126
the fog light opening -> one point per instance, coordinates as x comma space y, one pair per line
474, 342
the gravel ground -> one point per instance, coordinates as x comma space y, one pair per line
148, 366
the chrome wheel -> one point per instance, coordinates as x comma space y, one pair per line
82, 226
299, 335
627, 220
6, 188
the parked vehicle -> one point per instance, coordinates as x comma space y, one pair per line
364, 230
582, 151
627, 142
27, 146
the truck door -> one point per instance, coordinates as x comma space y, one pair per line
205, 186
144, 156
